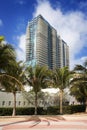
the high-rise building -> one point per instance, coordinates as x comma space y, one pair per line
44, 46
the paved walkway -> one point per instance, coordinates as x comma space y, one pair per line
64, 122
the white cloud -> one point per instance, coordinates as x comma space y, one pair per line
21, 47
71, 26
1, 23
78, 61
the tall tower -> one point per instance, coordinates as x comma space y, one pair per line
43, 46
62, 53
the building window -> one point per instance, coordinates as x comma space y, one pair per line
19, 103
24, 103
3, 103
9, 103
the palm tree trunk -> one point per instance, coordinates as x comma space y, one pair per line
35, 103
86, 105
14, 107
61, 100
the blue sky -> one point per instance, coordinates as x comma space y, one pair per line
68, 17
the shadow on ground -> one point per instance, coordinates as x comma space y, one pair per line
35, 120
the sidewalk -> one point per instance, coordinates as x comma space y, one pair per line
63, 122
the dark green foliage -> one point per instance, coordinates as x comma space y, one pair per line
48, 111
19, 111
43, 111
79, 83
53, 110
6, 111
7, 57
25, 111
73, 109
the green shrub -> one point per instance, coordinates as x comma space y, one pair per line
25, 111
73, 109
5, 111
52, 110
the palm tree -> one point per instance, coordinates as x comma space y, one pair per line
60, 80
14, 84
7, 56
1, 39
79, 83
10, 70
78, 90
37, 77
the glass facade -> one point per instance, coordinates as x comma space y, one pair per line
31, 43
43, 46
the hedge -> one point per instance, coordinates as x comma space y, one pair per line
43, 111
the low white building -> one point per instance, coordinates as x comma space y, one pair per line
6, 100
